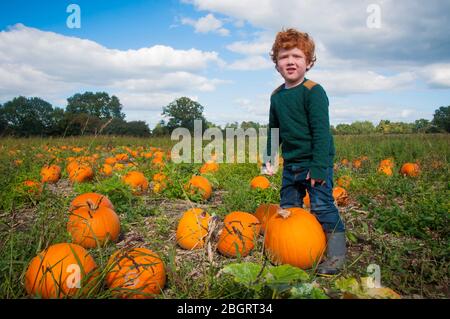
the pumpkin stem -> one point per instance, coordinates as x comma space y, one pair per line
91, 204
283, 212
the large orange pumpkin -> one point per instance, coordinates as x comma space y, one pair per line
199, 184
295, 237
264, 212
137, 181
90, 228
260, 182
50, 173
90, 200
410, 169
239, 234
60, 270
137, 274
193, 228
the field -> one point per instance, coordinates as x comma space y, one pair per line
399, 223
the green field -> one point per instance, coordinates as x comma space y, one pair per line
399, 223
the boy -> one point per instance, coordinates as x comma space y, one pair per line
299, 108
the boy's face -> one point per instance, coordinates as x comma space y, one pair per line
292, 65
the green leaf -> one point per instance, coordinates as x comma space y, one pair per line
307, 291
285, 274
245, 274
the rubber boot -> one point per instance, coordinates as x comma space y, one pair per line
335, 255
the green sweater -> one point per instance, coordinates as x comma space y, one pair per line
301, 114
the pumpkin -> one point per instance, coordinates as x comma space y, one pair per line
344, 162
388, 162
209, 167
32, 187
110, 160
260, 182
122, 157
81, 173
295, 237
137, 181
90, 200
264, 212
344, 181
107, 169
199, 184
60, 270
306, 200
386, 170
136, 273
410, 169
91, 228
159, 177
356, 163
340, 195
50, 174
193, 228
238, 234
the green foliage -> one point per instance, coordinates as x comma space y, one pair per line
278, 279
182, 112
441, 118
99, 105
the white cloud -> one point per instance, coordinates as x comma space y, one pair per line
251, 48
251, 63
54, 67
208, 23
437, 75
343, 81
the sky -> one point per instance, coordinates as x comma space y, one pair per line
376, 59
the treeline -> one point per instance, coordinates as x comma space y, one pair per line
98, 113
85, 114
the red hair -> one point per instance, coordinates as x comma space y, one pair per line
291, 38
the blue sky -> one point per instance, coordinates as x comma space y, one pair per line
149, 53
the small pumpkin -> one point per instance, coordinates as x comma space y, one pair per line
386, 170
199, 184
260, 182
137, 181
136, 273
50, 174
60, 270
209, 167
238, 235
294, 236
82, 173
340, 195
192, 228
91, 228
410, 169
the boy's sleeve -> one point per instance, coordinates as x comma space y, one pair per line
273, 123
320, 130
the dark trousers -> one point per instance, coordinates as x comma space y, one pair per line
293, 189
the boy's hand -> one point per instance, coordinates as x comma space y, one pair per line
314, 181
267, 169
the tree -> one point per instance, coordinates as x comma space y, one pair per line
421, 126
160, 129
3, 123
98, 104
182, 112
28, 116
441, 118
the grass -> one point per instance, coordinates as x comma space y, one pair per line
399, 223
